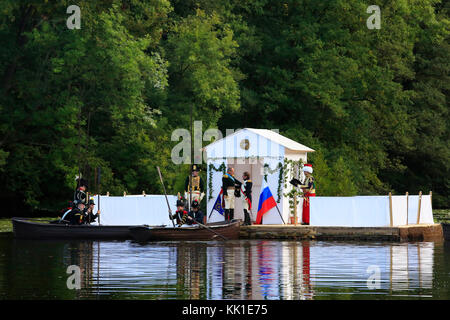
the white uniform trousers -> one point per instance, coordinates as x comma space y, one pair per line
229, 200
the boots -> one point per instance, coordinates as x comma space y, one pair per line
248, 220
227, 214
231, 214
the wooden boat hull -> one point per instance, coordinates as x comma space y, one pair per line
446, 231
229, 230
28, 229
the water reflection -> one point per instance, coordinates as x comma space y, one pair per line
216, 270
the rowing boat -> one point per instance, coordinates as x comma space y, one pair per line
214, 231
26, 228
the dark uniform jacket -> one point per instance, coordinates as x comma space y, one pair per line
90, 217
180, 216
228, 182
197, 183
247, 187
197, 216
75, 217
80, 195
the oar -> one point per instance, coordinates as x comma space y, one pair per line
209, 229
99, 190
165, 194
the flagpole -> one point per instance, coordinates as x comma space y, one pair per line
211, 213
279, 213
263, 187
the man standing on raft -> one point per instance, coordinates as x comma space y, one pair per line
309, 190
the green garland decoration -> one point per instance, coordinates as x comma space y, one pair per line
211, 167
294, 193
282, 176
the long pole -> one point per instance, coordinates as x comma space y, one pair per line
99, 175
407, 207
391, 222
211, 213
280, 213
165, 194
418, 209
192, 162
209, 229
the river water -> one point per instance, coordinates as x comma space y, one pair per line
243, 269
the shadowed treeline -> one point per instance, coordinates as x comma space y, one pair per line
373, 103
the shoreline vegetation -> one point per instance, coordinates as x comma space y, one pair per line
440, 215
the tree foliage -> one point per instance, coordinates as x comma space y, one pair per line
372, 102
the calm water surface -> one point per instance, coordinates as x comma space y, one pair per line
244, 269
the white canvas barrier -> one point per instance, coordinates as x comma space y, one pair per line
136, 210
426, 211
369, 211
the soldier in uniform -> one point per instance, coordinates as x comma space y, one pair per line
231, 189
75, 216
309, 190
89, 216
181, 215
195, 215
194, 182
247, 201
80, 192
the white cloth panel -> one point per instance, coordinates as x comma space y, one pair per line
136, 210
426, 212
368, 211
399, 207
361, 211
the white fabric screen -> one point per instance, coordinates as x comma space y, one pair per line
136, 210
426, 212
368, 211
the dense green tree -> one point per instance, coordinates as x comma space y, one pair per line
374, 103
76, 100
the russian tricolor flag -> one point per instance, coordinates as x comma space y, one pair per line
266, 202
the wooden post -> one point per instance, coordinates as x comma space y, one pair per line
390, 209
107, 193
418, 209
124, 193
407, 205
143, 193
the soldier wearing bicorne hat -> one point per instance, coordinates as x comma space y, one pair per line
195, 215
195, 183
90, 216
80, 192
181, 215
231, 188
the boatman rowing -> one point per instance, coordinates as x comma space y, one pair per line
89, 216
195, 215
76, 215
181, 215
